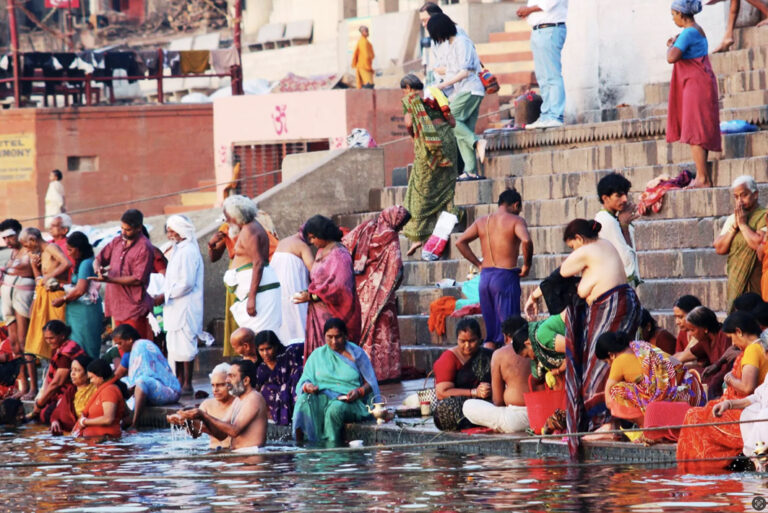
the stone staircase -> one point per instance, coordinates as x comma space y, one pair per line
508, 56
557, 170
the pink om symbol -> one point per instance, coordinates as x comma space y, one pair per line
279, 120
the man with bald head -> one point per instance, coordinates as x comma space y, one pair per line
740, 238
243, 341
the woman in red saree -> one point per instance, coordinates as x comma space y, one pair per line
748, 372
332, 291
378, 267
693, 115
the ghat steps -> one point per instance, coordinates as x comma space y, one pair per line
557, 170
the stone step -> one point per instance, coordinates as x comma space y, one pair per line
517, 26
610, 155
750, 37
490, 61
654, 293
728, 84
745, 99
656, 264
484, 49
583, 183
199, 198
416, 300
499, 37
739, 60
207, 359
509, 66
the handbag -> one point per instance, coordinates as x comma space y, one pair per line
489, 81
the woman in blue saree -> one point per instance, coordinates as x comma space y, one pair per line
337, 383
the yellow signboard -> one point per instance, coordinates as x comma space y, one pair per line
17, 157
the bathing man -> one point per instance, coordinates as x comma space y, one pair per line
501, 234
247, 426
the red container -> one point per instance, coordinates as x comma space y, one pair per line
541, 405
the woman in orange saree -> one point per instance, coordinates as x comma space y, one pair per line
749, 370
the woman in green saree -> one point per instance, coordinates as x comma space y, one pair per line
337, 383
433, 178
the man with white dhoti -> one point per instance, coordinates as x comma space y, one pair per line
182, 299
292, 261
251, 279
54, 195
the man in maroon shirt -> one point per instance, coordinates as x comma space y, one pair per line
125, 265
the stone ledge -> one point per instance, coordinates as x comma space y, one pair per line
500, 140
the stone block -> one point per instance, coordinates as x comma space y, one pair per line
416, 300
400, 176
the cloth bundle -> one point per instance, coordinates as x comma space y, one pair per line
436, 243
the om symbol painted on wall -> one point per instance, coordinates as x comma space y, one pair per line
280, 119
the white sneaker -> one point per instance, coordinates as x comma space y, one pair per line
544, 123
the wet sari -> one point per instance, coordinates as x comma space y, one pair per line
378, 268
332, 280
432, 182
662, 380
447, 413
321, 416
149, 370
722, 441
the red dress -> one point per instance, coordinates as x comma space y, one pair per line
693, 115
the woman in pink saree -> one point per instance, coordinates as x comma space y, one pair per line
378, 267
331, 291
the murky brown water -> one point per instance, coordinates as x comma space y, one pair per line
376, 481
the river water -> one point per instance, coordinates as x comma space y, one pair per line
115, 479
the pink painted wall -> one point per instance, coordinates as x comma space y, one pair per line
308, 115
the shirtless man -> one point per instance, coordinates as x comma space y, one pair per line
248, 425
612, 305
255, 284
243, 343
509, 381
18, 286
219, 406
501, 235
292, 262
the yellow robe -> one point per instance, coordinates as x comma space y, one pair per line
362, 61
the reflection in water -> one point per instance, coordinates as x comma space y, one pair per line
376, 481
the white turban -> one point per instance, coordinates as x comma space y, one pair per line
181, 225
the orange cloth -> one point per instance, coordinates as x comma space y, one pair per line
439, 309
194, 61
362, 62
106, 393
722, 441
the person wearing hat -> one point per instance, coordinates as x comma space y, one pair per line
182, 299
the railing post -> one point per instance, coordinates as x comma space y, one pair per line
88, 89
14, 53
160, 64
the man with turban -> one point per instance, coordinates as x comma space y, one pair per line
182, 299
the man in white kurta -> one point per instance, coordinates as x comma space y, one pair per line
54, 196
183, 299
616, 218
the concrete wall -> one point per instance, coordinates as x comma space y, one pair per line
138, 152
312, 115
294, 165
324, 13
336, 184
614, 48
306, 60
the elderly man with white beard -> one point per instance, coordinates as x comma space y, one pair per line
254, 283
182, 299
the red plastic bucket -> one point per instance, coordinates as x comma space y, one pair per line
541, 405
